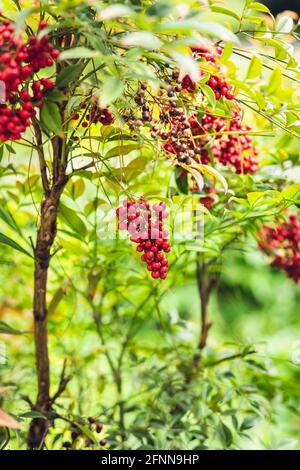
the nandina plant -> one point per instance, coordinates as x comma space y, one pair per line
90, 87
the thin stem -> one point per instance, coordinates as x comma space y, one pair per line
40, 151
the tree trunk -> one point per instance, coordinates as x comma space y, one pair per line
42, 255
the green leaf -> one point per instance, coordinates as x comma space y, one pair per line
225, 11
75, 188
112, 88
10, 149
70, 217
253, 197
21, 19
68, 74
135, 167
292, 192
88, 433
50, 117
227, 51
6, 216
249, 422
259, 7
121, 150
57, 297
275, 80
224, 434
159, 9
206, 169
55, 95
8, 330
141, 39
189, 26
8, 241
217, 30
32, 414
114, 11
78, 53
195, 172
181, 181
255, 67
244, 86
93, 205
209, 95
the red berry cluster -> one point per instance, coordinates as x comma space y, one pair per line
95, 114
207, 200
19, 61
282, 244
218, 83
145, 226
172, 116
232, 145
187, 139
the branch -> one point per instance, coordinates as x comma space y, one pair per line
27, 399
40, 151
230, 358
63, 382
205, 286
85, 167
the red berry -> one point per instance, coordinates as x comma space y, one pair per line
165, 245
150, 255
155, 274
155, 266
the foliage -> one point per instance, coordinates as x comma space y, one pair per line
130, 342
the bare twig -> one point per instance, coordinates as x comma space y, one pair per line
27, 399
63, 382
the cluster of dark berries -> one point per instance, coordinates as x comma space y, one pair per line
94, 114
19, 61
77, 433
140, 100
98, 427
145, 226
173, 127
178, 140
282, 244
143, 113
185, 138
